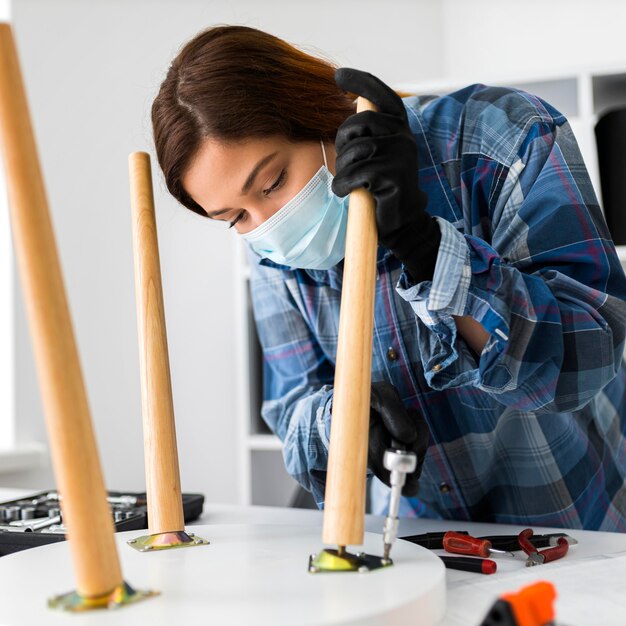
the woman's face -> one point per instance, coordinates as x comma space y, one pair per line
245, 183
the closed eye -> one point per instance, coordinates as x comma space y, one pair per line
277, 184
239, 218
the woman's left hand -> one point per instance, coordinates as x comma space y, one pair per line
377, 151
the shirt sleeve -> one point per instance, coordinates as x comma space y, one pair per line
546, 284
297, 377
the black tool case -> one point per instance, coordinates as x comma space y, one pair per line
129, 511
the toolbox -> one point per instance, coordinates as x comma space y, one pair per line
37, 520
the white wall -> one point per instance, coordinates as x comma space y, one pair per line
7, 333
7, 352
91, 70
510, 37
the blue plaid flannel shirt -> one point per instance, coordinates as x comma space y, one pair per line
532, 430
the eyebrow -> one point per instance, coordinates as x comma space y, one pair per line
249, 182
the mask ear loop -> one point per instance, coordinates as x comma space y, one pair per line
324, 154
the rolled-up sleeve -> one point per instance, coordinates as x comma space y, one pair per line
547, 284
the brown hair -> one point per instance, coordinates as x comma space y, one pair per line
236, 82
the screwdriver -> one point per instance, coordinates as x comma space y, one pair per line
510, 543
400, 463
459, 543
468, 564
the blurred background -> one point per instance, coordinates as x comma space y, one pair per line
92, 69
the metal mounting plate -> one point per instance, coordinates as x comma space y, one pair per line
123, 594
330, 560
166, 541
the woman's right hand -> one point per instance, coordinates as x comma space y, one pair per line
391, 421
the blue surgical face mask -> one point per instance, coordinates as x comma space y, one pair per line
309, 231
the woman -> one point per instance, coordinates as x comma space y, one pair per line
499, 316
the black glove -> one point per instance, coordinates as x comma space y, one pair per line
390, 420
377, 151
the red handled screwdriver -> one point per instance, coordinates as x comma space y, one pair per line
458, 543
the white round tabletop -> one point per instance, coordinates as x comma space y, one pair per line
249, 574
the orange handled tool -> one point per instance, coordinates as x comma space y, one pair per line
458, 543
530, 606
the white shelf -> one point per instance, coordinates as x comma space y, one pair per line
264, 442
22, 457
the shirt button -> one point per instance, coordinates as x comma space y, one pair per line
444, 487
437, 367
392, 355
